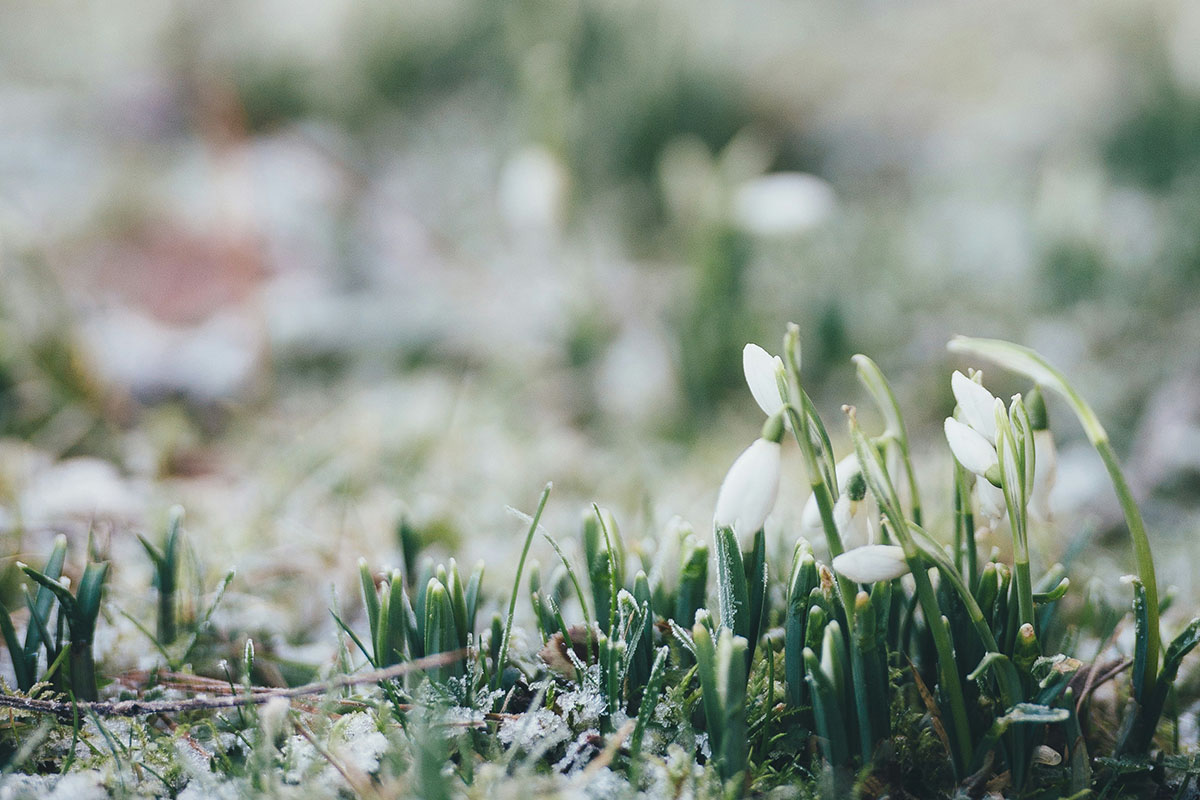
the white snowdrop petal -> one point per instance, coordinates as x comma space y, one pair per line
749, 490
971, 449
843, 515
846, 469
761, 368
810, 517
977, 404
991, 502
1045, 473
871, 563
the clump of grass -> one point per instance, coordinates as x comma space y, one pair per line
911, 663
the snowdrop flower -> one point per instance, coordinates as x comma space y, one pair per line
750, 487
761, 370
972, 450
853, 493
973, 442
977, 403
871, 563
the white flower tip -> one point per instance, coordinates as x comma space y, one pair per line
871, 563
762, 370
748, 492
971, 448
977, 405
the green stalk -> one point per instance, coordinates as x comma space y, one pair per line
823, 483
965, 521
871, 377
816, 476
502, 655
1029, 363
885, 495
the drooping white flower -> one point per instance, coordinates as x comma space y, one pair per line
761, 370
977, 403
846, 470
871, 563
749, 490
973, 442
972, 450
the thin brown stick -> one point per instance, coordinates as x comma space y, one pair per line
254, 696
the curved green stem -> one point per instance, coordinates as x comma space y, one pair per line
885, 494
872, 377
502, 654
1033, 366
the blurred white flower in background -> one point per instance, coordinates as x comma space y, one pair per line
782, 204
636, 380
214, 360
532, 193
77, 488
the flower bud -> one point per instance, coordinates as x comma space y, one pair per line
976, 403
749, 490
871, 563
847, 470
972, 450
762, 371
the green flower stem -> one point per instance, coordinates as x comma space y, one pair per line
1024, 579
873, 379
821, 489
823, 484
502, 654
824, 497
965, 525
885, 495
1029, 363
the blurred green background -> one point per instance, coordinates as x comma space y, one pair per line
308, 267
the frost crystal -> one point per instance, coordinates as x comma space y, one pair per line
579, 752
361, 743
582, 707
535, 731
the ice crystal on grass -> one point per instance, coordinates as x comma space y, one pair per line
600, 784
579, 752
582, 707
357, 739
88, 785
535, 731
